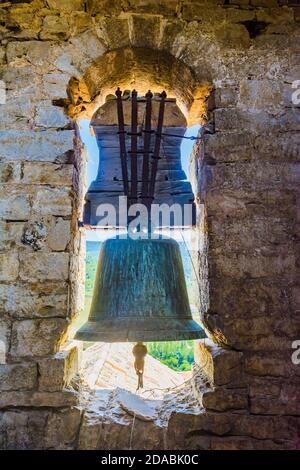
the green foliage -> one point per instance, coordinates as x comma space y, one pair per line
178, 355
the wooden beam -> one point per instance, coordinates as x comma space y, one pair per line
157, 144
134, 118
147, 140
121, 133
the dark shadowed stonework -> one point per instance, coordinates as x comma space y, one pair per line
233, 65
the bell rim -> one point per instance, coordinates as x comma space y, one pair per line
186, 329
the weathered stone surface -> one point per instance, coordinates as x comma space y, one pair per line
274, 397
10, 172
23, 429
18, 112
10, 235
34, 300
34, 235
254, 264
260, 94
66, 5
30, 145
38, 399
105, 7
194, 431
113, 31
145, 32
14, 205
4, 340
223, 399
23, 22
56, 372
220, 365
59, 234
37, 337
9, 266
35, 267
62, 429
263, 365
47, 173
48, 115
18, 377
55, 85
53, 201
238, 204
55, 27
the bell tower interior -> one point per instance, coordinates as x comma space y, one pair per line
231, 68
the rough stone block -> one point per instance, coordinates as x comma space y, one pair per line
89, 47
55, 85
113, 31
145, 32
9, 266
226, 97
38, 399
260, 94
275, 15
41, 266
222, 366
59, 234
55, 27
223, 399
62, 429
253, 233
10, 235
17, 112
198, 11
34, 300
14, 205
243, 203
25, 24
255, 265
274, 397
233, 35
37, 337
105, 7
66, 5
265, 297
48, 115
229, 119
23, 430
47, 173
252, 176
31, 145
53, 201
4, 340
18, 377
263, 365
10, 172
37, 53
56, 373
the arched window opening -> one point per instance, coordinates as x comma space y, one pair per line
170, 362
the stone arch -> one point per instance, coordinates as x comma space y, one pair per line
141, 68
144, 69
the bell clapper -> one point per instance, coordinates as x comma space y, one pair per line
139, 351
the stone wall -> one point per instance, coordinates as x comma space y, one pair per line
247, 178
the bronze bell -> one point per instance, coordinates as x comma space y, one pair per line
140, 294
